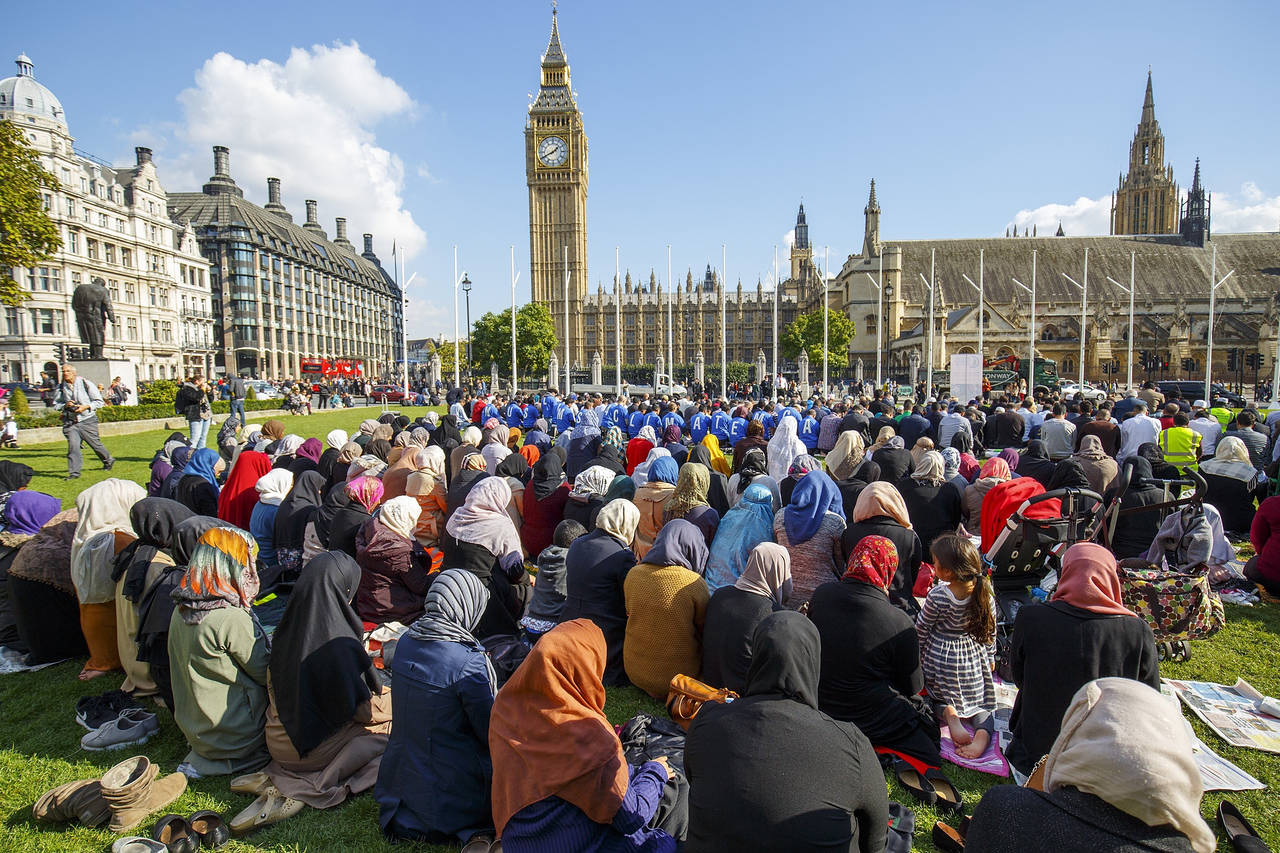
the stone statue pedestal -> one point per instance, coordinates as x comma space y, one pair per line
101, 371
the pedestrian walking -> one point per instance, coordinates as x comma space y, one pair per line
79, 401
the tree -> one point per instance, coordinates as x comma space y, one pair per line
806, 334
446, 351
535, 339
27, 234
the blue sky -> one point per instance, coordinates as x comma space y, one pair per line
708, 122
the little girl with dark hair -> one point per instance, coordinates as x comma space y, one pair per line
956, 628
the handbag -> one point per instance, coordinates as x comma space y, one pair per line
686, 696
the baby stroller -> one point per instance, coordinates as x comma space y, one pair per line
1169, 586
1027, 552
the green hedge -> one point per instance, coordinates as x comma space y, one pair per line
146, 411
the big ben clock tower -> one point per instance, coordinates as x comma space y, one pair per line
556, 166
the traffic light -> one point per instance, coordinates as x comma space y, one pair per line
1254, 360
1231, 359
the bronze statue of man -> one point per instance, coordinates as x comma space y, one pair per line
92, 304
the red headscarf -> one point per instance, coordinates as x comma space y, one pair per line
875, 561
1089, 580
637, 451
238, 497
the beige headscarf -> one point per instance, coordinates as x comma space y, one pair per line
619, 518
1231, 459
768, 572
922, 446
103, 508
881, 498
930, 468
1126, 744
882, 438
1100, 468
384, 431
399, 515
847, 455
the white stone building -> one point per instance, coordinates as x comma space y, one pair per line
114, 224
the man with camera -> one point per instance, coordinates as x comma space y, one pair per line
79, 401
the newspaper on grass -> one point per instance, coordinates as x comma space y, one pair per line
1232, 712
1216, 772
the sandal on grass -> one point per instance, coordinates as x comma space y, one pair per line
948, 796
1243, 837
917, 785
947, 838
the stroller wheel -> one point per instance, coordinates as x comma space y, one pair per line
1180, 651
1164, 650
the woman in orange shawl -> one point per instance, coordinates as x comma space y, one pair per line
560, 779
240, 495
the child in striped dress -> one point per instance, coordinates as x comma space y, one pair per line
956, 628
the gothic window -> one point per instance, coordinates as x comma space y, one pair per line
1146, 153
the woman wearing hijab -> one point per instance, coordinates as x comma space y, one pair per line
434, 782
895, 462
364, 494
882, 439
1160, 469
881, 511
396, 477
641, 473
671, 441
717, 485
651, 499
307, 457
951, 473
933, 504
137, 569
1034, 462
218, 658
240, 495
994, 472
394, 576
198, 488
333, 444
272, 488
587, 495
464, 480
584, 442
284, 452
427, 487
622, 488
810, 529
719, 462
1069, 474
638, 448
328, 717
103, 530
273, 430
448, 437
666, 601
1099, 468
162, 462
753, 440
1084, 632
595, 569
922, 446
744, 527
494, 447
515, 470
379, 448
290, 528
556, 793
851, 468
871, 673
962, 441
41, 592
544, 503
1233, 484
834, 795
169, 488
734, 612
1121, 775
483, 541
691, 492
801, 465
754, 470
1012, 458
612, 453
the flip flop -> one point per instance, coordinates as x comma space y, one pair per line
917, 786
1243, 837
947, 795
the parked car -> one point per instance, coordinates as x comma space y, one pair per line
1091, 392
388, 393
264, 390
1192, 390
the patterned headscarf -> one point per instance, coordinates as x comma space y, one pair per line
366, 466
221, 573
803, 464
615, 439
874, 561
997, 468
691, 490
454, 605
366, 491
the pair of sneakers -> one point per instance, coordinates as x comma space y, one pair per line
133, 727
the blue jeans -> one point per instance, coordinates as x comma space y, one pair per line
237, 410
199, 432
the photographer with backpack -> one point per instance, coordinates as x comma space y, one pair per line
79, 400
192, 402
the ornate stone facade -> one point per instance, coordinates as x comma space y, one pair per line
1146, 200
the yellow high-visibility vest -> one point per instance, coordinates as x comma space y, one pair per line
1179, 446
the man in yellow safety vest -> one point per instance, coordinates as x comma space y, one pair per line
1180, 444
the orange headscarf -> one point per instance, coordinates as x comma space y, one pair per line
548, 735
530, 453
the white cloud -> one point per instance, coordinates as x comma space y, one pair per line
789, 239
1250, 209
424, 172
427, 319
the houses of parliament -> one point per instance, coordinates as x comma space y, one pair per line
1163, 238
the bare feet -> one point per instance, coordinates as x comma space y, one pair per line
976, 749
90, 674
959, 734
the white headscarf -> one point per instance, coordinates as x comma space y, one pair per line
400, 515
273, 486
619, 518
493, 454
483, 519
1127, 744
784, 447
472, 435
103, 508
592, 482
431, 461
288, 445
641, 473
336, 438
1231, 459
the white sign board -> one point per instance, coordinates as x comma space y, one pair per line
966, 376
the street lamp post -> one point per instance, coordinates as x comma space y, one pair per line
826, 308
1213, 290
982, 302
515, 277
1084, 308
466, 289
774, 385
1031, 332
1129, 290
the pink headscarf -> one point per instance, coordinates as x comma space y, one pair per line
996, 467
1089, 581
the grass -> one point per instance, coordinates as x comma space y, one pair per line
40, 740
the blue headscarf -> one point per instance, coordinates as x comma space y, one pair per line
201, 464
588, 424
813, 498
664, 470
743, 527
180, 459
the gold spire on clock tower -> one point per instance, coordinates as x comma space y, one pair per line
556, 169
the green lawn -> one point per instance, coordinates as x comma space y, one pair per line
40, 740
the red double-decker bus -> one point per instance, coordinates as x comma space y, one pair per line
317, 370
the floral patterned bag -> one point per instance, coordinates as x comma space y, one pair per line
1177, 606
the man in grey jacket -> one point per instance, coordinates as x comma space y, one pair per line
79, 400
239, 391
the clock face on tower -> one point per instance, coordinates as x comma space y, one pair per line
553, 151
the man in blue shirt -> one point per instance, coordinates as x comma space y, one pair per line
530, 414
809, 431
652, 419
721, 424
565, 418
489, 411
672, 418
617, 414
700, 424
737, 430
635, 422
515, 415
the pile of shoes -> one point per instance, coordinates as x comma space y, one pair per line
114, 721
175, 834
120, 800
271, 806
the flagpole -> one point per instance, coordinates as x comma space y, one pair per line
515, 375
